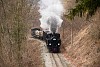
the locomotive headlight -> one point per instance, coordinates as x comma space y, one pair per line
49, 43
58, 43
54, 39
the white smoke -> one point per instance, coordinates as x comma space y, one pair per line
50, 10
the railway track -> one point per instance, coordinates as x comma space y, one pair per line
58, 60
53, 59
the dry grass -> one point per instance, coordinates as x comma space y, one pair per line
32, 55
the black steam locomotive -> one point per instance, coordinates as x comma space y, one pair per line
52, 40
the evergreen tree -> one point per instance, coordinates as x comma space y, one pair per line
87, 7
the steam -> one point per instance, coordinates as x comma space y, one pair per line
51, 12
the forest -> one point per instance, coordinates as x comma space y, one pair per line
80, 33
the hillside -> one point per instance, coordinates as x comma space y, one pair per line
16, 19
84, 49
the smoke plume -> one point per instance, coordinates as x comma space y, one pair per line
51, 12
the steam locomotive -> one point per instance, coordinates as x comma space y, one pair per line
52, 40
